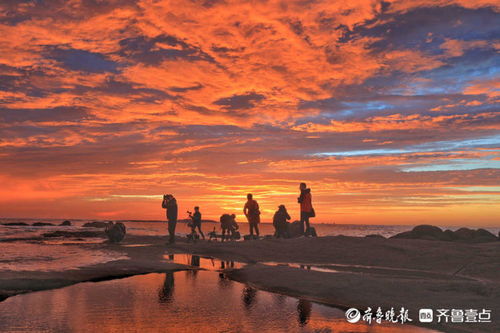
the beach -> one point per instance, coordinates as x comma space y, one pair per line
340, 271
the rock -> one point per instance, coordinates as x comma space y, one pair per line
41, 224
424, 231
375, 236
483, 236
404, 235
16, 223
65, 223
448, 235
312, 232
78, 234
427, 230
464, 234
95, 225
294, 229
115, 231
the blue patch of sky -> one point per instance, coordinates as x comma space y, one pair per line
438, 146
80, 60
458, 164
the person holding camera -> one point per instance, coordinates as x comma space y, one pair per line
196, 221
170, 204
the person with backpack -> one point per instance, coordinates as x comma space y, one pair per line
170, 204
252, 212
306, 208
280, 222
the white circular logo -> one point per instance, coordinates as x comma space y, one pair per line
353, 315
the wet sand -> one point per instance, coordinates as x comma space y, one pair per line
367, 272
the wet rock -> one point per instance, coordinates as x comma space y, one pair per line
16, 223
65, 223
115, 231
42, 224
95, 225
79, 234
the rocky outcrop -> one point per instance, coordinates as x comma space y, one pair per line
115, 232
42, 224
96, 224
65, 223
429, 232
78, 234
16, 224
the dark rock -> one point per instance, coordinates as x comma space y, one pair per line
65, 223
42, 224
464, 234
115, 232
448, 235
312, 232
95, 225
375, 236
427, 230
79, 234
405, 235
483, 236
294, 229
16, 223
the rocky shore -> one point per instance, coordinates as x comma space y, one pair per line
341, 271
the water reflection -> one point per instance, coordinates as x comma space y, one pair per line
206, 263
165, 294
248, 297
206, 302
304, 309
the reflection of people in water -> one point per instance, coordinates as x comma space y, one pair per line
249, 297
195, 261
304, 311
165, 294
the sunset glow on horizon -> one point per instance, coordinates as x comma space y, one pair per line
388, 110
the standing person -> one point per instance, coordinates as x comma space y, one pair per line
196, 217
306, 208
279, 221
252, 212
170, 204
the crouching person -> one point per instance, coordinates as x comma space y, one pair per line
280, 222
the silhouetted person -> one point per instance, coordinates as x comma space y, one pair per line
228, 225
166, 292
280, 222
252, 212
170, 204
306, 208
304, 311
196, 221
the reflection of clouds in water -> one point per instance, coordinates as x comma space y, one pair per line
18, 256
171, 302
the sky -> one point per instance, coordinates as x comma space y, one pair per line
388, 110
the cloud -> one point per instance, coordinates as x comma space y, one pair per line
377, 104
